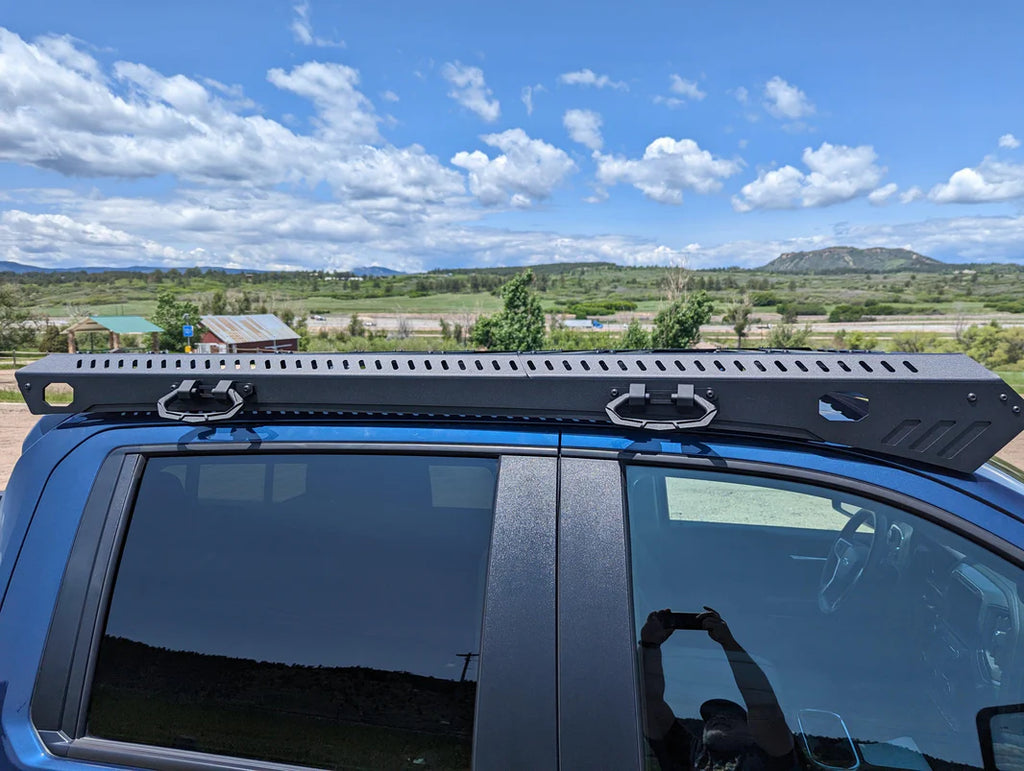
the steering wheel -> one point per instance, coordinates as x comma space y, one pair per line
848, 559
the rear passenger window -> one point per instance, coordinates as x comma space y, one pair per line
313, 610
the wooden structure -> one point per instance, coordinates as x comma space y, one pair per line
115, 326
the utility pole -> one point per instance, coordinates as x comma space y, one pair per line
468, 657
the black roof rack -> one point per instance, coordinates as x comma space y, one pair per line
940, 409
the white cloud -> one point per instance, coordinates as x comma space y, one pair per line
279, 231
672, 102
37, 234
588, 77
742, 95
584, 126
685, 88
344, 112
302, 29
667, 168
470, 90
774, 189
882, 195
527, 170
957, 239
63, 50
911, 194
526, 95
784, 100
1009, 142
140, 123
991, 181
837, 173
389, 96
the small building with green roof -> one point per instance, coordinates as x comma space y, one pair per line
115, 326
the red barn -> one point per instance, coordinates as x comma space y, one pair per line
259, 333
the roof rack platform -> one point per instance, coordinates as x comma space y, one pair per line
940, 409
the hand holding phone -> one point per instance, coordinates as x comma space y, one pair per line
683, 621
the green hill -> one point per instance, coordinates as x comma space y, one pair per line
847, 259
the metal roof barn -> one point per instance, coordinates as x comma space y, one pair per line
263, 332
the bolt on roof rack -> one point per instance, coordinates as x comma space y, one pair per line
940, 409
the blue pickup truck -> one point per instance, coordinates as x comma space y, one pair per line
621, 560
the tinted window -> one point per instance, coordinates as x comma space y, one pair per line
319, 610
844, 631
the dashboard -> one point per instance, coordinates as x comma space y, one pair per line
969, 622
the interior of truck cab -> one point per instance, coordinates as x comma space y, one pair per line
872, 624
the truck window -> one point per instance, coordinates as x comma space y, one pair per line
319, 610
810, 626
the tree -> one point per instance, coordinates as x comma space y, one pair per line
636, 336
52, 340
675, 283
217, 304
994, 346
483, 331
14, 329
403, 328
171, 314
914, 342
788, 336
519, 326
242, 304
855, 340
738, 314
678, 326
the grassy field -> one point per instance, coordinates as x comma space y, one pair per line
950, 291
1013, 378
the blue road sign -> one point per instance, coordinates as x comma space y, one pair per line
187, 330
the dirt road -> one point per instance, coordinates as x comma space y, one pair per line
16, 421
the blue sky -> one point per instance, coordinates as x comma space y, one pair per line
330, 135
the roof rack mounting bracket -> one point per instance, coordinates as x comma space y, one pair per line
638, 399
196, 392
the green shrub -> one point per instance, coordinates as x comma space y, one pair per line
846, 312
601, 308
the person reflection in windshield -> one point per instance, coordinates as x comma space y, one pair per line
748, 739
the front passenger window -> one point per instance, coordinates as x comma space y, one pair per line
783, 625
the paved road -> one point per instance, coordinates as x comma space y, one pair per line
429, 324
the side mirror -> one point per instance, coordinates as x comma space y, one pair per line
1001, 734
826, 740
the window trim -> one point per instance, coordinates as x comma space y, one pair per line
61, 693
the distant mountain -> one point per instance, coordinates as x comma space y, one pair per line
375, 271
16, 267
843, 259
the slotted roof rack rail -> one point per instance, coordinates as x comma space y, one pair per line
941, 409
